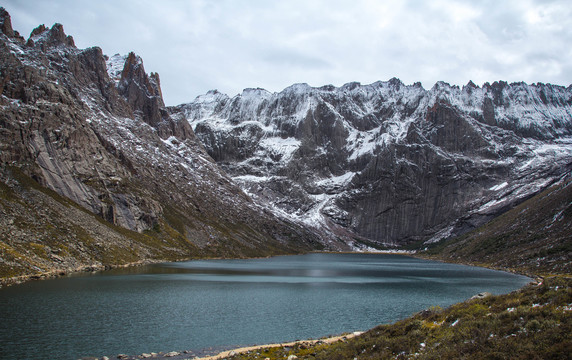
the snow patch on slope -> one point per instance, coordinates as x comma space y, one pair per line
115, 66
336, 181
499, 186
283, 148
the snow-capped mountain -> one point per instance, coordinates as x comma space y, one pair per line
386, 163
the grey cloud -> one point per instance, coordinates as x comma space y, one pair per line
295, 59
502, 25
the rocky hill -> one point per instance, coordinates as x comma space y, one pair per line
388, 164
95, 171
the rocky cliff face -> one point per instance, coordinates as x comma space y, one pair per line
389, 164
94, 130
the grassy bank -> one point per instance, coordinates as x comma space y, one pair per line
531, 323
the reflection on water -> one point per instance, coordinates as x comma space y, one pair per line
205, 303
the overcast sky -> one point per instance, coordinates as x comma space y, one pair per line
229, 45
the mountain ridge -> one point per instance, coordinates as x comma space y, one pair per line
294, 149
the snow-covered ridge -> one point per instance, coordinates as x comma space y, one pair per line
379, 114
544, 108
353, 159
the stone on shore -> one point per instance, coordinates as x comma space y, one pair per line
481, 295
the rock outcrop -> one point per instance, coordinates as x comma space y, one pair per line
74, 125
388, 164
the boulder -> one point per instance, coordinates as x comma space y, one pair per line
481, 295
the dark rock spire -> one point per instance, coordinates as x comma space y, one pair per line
6, 23
47, 38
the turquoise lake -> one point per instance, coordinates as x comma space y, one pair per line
202, 304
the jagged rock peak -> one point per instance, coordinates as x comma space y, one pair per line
395, 82
38, 30
328, 87
211, 96
471, 84
133, 70
155, 82
351, 86
6, 26
6, 23
58, 36
47, 38
143, 93
255, 92
439, 85
298, 88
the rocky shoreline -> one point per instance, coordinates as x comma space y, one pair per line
56, 273
213, 354
51, 274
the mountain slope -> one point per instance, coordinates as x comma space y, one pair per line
387, 164
535, 237
79, 126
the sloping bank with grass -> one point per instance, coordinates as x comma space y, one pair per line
532, 323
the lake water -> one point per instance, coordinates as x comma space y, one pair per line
222, 303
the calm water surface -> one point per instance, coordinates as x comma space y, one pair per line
220, 303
